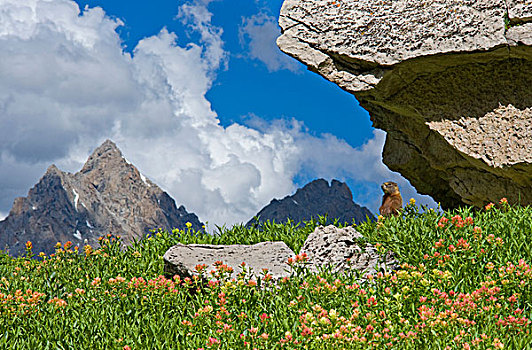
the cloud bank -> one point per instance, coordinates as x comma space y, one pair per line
67, 85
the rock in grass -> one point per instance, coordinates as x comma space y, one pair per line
341, 250
183, 260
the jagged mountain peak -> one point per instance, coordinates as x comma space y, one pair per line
322, 185
108, 149
108, 195
53, 169
107, 154
107, 146
318, 197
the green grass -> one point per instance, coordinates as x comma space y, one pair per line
463, 284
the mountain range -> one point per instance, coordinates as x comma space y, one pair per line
110, 195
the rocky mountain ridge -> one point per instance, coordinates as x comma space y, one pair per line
108, 195
315, 198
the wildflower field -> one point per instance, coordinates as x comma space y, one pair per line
465, 283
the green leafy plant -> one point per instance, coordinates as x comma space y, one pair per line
464, 283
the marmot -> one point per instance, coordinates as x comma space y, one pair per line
392, 200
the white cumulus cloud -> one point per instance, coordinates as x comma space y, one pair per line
67, 85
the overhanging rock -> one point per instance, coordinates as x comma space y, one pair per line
449, 81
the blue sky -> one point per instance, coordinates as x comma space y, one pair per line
195, 93
247, 86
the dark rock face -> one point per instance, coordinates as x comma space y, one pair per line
315, 198
108, 195
449, 81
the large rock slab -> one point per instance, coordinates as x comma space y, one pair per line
340, 250
425, 70
182, 259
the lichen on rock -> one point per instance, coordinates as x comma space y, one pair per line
500, 138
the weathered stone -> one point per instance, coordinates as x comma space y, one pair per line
182, 259
519, 11
520, 34
494, 138
339, 250
420, 67
108, 195
314, 199
519, 31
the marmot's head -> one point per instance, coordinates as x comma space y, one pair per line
390, 187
